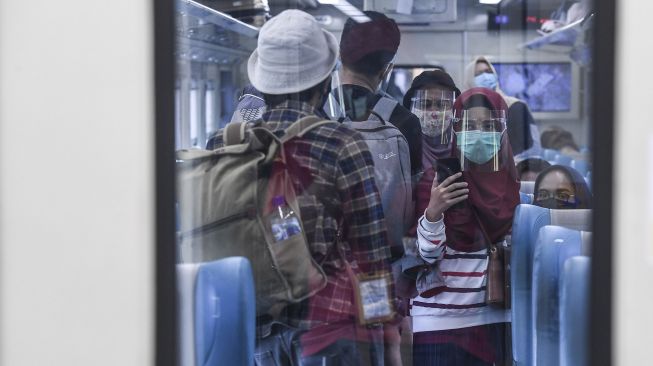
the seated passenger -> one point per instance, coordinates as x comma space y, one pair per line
522, 131
452, 323
333, 175
529, 169
557, 138
367, 50
562, 187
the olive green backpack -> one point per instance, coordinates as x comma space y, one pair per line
224, 203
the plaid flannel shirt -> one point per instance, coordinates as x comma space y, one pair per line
337, 168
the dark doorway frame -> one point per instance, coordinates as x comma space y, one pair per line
602, 114
166, 332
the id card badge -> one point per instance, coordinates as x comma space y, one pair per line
375, 303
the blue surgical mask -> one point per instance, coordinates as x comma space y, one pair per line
478, 146
486, 80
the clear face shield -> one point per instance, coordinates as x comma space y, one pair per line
385, 83
434, 108
478, 134
334, 105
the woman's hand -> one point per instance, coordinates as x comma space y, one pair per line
445, 195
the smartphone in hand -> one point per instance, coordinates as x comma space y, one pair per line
447, 167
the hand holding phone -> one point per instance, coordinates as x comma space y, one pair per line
446, 194
444, 168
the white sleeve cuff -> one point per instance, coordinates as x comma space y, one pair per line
432, 226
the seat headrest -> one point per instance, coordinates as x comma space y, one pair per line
572, 219
527, 187
586, 243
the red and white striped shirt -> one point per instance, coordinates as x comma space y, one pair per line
459, 301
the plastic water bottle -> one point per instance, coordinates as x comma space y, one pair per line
284, 222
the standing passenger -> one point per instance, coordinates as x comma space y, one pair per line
367, 51
332, 172
522, 131
425, 100
430, 97
452, 323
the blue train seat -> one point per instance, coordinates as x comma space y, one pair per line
554, 246
549, 154
526, 187
574, 305
581, 166
525, 198
562, 159
225, 313
186, 277
526, 226
588, 179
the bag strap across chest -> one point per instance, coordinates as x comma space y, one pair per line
236, 132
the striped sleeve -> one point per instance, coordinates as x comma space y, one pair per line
430, 239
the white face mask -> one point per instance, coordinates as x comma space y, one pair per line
434, 123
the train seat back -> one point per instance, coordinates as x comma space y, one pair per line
526, 187
581, 166
225, 313
186, 277
553, 247
549, 154
562, 159
527, 222
574, 315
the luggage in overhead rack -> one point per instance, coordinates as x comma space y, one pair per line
253, 12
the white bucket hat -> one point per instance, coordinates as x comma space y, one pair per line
293, 54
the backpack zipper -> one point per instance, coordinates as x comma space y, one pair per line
249, 213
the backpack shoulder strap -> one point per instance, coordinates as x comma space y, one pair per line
374, 116
234, 133
384, 108
300, 127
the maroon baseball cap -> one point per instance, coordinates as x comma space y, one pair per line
360, 39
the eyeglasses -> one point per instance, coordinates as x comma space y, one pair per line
560, 196
433, 104
486, 125
484, 121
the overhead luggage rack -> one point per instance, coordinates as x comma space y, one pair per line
207, 35
562, 40
209, 15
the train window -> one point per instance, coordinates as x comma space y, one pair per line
322, 218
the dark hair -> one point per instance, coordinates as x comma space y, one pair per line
272, 100
483, 62
430, 79
556, 138
581, 189
477, 100
374, 62
535, 165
